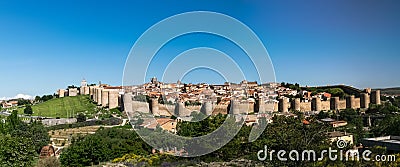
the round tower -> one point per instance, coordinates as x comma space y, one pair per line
334, 103
127, 99
206, 108
113, 98
98, 95
283, 105
91, 92
235, 109
154, 107
104, 97
316, 104
296, 104
95, 98
179, 109
376, 97
350, 102
259, 106
364, 100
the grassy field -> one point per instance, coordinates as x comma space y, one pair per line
63, 107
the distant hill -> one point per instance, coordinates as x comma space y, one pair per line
389, 91
63, 107
349, 90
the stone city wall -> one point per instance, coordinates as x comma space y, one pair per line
305, 106
270, 106
220, 109
104, 98
138, 106
113, 99
325, 105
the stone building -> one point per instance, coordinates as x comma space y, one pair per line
84, 90
72, 91
61, 92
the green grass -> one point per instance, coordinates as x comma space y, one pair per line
63, 107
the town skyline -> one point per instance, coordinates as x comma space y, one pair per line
77, 84
353, 43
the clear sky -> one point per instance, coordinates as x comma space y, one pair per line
46, 45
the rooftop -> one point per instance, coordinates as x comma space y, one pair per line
385, 139
338, 134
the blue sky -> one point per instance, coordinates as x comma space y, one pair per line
46, 45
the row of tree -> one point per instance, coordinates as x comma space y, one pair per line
21, 142
44, 98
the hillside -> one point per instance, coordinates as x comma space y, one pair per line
63, 107
348, 90
390, 91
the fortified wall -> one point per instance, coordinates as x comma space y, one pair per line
333, 103
179, 109
235, 107
105, 97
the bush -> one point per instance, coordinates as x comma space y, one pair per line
49, 162
81, 117
28, 110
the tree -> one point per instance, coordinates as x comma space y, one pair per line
197, 116
37, 98
12, 121
28, 110
39, 135
104, 145
388, 126
285, 133
20, 142
36, 132
348, 114
16, 151
23, 101
336, 92
46, 98
322, 115
80, 117
289, 133
115, 110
